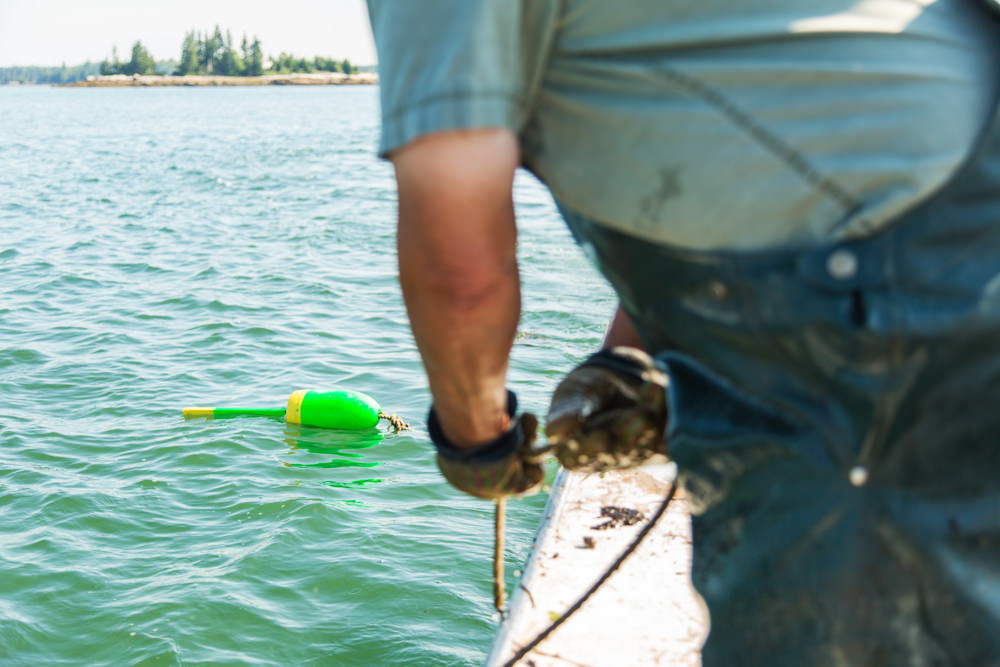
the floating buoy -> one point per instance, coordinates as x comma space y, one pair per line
332, 409
325, 409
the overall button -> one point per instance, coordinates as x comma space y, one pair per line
858, 475
719, 290
842, 264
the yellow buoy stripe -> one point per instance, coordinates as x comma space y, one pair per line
293, 413
199, 412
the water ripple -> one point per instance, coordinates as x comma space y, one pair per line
157, 254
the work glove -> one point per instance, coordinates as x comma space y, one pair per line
610, 412
506, 466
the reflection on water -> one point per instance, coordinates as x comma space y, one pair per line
343, 445
351, 485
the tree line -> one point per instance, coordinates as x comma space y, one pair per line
35, 74
215, 53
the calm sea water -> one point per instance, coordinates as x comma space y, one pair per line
170, 247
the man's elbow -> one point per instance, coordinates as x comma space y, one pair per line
464, 288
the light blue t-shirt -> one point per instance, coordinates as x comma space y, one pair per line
706, 124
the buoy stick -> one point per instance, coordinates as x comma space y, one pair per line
216, 413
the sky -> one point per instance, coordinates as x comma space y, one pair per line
53, 32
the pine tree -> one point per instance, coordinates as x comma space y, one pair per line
204, 54
227, 57
217, 48
189, 55
141, 62
112, 67
245, 52
255, 63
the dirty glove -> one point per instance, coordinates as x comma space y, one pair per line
610, 412
506, 466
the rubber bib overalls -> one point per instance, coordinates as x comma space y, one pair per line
835, 415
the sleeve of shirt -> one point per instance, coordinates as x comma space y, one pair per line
446, 65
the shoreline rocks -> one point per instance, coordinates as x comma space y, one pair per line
300, 79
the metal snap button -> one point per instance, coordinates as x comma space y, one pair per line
842, 264
719, 289
858, 475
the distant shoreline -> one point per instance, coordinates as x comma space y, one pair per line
301, 79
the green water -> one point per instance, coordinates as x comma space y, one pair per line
163, 248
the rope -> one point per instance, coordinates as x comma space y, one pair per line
396, 422
498, 523
597, 584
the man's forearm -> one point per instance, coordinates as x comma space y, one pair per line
458, 271
464, 326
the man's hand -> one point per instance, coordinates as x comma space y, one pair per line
506, 466
610, 412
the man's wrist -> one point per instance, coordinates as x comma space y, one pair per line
468, 418
488, 451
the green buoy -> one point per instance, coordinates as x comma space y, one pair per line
325, 409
